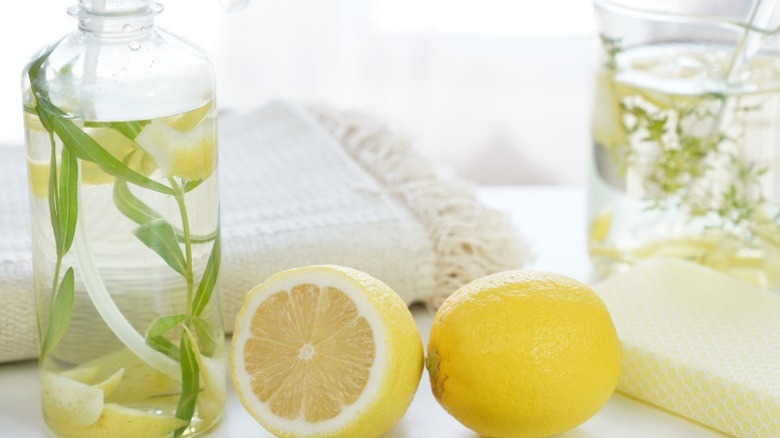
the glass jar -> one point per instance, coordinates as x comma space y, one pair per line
121, 141
686, 137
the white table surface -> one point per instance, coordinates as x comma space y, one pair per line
552, 220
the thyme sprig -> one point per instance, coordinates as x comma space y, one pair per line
685, 159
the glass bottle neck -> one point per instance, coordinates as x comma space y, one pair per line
116, 7
115, 16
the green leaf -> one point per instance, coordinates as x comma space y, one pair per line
163, 324
37, 80
80, 143
128, 129
140, 213
84, 147
164, 346
209, 279
155, 335
44, 117
160, 237
54, 204
191, 185
59, 317
207, 336
190, 383
131, 206
68, 200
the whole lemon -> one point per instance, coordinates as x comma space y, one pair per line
523, 354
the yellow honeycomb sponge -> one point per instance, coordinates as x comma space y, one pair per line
700, 344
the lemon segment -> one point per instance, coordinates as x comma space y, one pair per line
69, 403
189, 154
110, 384
120, 422
599, 227
121, 148
606, 125
139, 381
189, 120
523, 354
38, 178
325, 351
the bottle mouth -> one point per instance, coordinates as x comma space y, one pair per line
109, 8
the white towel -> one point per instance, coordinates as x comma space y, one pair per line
302, 187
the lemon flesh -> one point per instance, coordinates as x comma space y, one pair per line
523, 354
325, 351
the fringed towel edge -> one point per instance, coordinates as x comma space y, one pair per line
469, 239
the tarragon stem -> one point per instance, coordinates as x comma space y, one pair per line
178, 194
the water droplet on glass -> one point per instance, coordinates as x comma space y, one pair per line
134, 45
127, 27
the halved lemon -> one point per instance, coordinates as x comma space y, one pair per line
325, 351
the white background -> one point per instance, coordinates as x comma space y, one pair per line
496, 90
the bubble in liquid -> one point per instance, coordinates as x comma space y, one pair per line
127, 27
134, 45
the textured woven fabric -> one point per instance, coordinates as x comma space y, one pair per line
700, 344
295, 191
18, 331
293, 194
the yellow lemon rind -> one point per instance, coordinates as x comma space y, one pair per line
394, 374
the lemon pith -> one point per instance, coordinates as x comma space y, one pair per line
325, 351
523, 354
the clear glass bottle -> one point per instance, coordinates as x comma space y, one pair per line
686, 159
121, 143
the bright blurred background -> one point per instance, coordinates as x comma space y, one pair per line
496, 91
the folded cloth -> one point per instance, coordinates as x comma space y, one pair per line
302, 186
699, 343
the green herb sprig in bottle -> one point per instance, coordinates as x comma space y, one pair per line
121, 140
